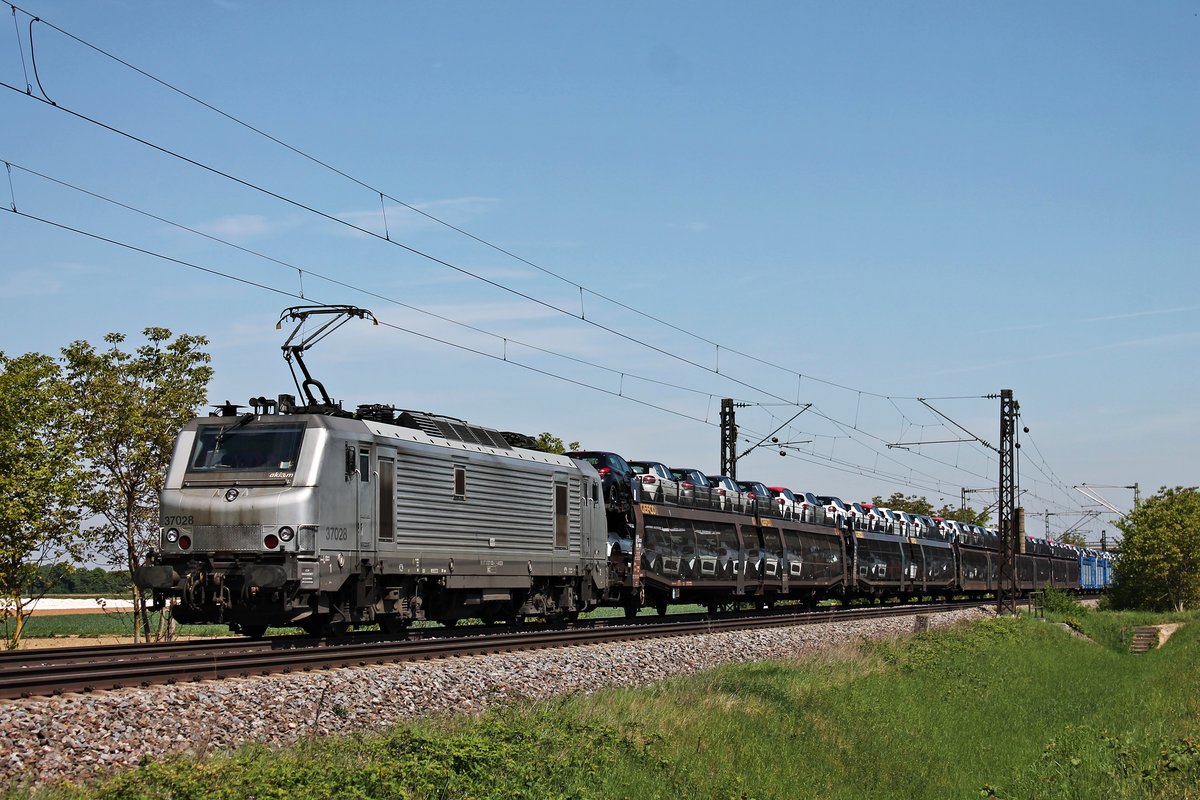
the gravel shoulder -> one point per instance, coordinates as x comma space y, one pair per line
81, 736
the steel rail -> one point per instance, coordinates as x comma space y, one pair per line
46, 672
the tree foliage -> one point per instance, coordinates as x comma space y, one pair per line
40, 481
64, 578
129, 408
549, 443
915, 504
1159, 566
1076, 538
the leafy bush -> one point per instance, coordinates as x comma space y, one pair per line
1056, 601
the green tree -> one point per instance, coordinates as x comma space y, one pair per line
1073, 537
916, 504
63, 578
1159, 565
40, 482
549, 443
968, 515
902, 502
130, 407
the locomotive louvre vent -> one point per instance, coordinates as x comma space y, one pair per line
421, 422
466, 434
455, 430
447, 430
493, 437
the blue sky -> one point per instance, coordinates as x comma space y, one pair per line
903, 199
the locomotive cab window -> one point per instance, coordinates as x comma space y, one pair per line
245, 446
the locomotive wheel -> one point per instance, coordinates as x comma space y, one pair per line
631, 611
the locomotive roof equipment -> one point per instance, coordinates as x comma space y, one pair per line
338, 315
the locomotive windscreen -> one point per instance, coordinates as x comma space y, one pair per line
221, 448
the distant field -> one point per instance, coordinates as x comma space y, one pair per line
120, 623
101, 624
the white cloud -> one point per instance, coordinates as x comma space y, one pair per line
1167, 340
29, 283
1105, 318
239, 226
396, 220
1133, 314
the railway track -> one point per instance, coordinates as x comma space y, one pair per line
54, 671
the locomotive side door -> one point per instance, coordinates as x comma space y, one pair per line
385, 497
365, 487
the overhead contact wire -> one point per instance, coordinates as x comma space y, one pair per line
301, 271
463, 232
409, 248
382, 323
582, 316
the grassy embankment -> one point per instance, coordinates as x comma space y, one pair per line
1010, 708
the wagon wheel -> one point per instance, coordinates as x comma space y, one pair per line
392, 624
253, 631
324, 626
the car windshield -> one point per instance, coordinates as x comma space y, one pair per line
694, 476
598, 460
225, 448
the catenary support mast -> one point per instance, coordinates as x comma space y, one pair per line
1006, 589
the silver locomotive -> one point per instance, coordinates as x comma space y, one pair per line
313, 517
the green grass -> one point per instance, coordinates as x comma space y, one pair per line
1113, 629
1010, 708
115, 623
109, 623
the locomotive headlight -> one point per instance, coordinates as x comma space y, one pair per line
172, 535
286, 534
